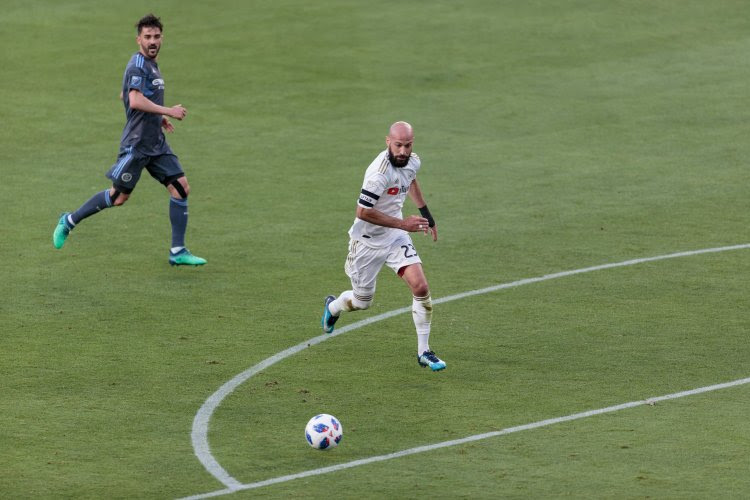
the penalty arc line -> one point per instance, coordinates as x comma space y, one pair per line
469, 439
199, 435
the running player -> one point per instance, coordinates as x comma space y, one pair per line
380, 235
143, 145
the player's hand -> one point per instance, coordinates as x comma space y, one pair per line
433, 230
167, 125
177, 112
414, 223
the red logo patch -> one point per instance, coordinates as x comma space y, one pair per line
393, 190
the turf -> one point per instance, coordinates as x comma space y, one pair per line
554, 136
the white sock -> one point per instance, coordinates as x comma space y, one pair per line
342, 303
174, 250
70, 220
421, 312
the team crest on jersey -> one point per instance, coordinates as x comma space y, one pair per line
393, 190
135, 81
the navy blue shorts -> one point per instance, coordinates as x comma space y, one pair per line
130, 163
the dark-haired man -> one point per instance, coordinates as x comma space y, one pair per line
380, 236
143, 145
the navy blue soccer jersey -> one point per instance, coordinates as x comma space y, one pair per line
143, 130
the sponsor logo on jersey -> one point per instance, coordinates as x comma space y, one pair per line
159, 82
126, 177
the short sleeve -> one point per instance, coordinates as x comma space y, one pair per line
135, 79
372, 188
416, 162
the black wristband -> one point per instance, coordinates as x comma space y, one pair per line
427, 215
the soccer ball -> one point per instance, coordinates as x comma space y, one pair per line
323, 432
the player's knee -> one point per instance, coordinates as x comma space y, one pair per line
117, 197
120, 200
420, 289
180, 187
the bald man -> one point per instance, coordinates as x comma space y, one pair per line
380, 235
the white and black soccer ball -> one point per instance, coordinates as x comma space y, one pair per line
324, 432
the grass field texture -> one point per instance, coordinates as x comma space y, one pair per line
554, 136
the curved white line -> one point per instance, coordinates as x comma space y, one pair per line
199, 433
469, 439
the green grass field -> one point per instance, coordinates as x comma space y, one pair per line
554, 136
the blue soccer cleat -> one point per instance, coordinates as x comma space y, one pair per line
428, 358
328, 319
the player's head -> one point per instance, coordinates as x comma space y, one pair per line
149, 35
400, 140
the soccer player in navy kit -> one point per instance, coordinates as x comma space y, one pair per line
380, 236
143, 145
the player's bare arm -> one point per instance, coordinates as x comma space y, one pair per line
412, 223
415, 193
140, 102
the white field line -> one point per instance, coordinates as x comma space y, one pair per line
199, 433
476, 437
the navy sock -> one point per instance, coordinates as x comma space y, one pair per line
178, 216
95, 204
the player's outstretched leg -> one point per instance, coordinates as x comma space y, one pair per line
328, 319
62, 230
184, 258
428, 358
68, 220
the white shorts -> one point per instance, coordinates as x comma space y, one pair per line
364, 263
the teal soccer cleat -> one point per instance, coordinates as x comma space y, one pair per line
328, 319
61, 231
185, 258
428, 358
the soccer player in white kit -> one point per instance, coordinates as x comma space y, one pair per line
380, 235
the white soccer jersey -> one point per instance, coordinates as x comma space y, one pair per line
385, 188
